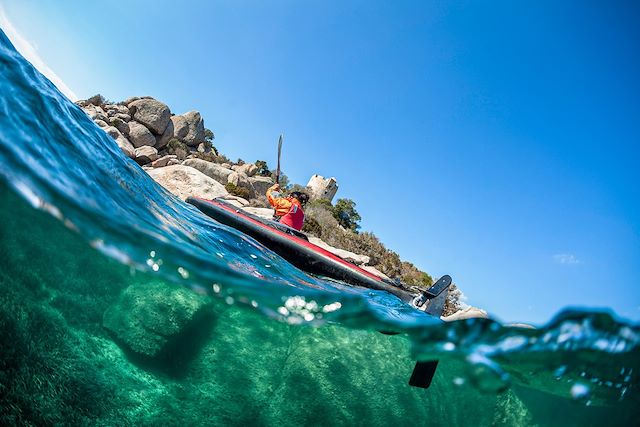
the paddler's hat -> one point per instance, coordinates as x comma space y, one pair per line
302, 197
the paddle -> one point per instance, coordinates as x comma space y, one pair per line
423, 373
279, 152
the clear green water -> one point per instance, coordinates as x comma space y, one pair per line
80, 225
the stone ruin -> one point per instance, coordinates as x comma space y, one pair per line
320, 187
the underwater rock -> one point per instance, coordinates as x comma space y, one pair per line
148, 317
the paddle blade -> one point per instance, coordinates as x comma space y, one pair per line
423, 374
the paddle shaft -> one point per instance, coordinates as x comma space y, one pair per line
279, 152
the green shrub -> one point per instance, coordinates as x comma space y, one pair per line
97, 99
412, 276
237, 191
221, 158
209, 157
209, 136
175, 144
263, 168
312, 226
345, 212
322, 203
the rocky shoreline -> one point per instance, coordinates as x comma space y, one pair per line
177, 152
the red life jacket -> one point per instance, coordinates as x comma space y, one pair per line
294, 218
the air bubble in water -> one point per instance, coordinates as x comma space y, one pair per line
183, 272
448, 346
558, 373
580, 391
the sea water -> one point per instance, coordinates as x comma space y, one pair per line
80, 224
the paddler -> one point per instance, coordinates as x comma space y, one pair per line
288, 210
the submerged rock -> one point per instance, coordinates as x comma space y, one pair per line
146, 318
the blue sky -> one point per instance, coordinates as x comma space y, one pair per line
497, 142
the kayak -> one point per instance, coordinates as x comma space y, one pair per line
294, 246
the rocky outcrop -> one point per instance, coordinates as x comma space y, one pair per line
152, 113
187, 128
122, 142
212, 170
142, 127
241, 180
185, 181
195, 129
261, 183
236, 201
375, 271
322, 188
265, 213
139, 135
145, 155
222, 174
146, 318
96, 112
249, 169
165, 161
121, 125
346, 255
467, 313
